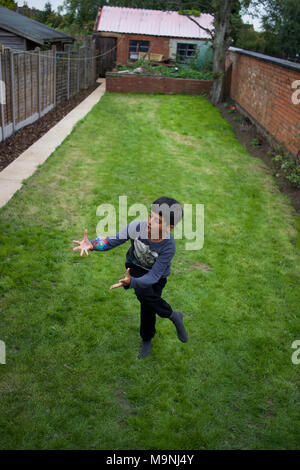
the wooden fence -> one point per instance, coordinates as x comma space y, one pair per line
34, 82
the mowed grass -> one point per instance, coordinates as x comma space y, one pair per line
72, 379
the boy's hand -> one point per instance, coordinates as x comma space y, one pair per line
84, 245
122, 282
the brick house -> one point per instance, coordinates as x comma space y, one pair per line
124, 34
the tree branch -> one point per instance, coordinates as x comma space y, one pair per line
208, 31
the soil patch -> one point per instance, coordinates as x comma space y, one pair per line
184, 139
13, 146
201, 266
246, 132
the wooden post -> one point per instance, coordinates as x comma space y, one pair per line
78, 68
21, 91
18, 62
12, 89
31, 84
81, 63
45, 80
49, 81
25, 94
2, 98
94, 60
87, 64
91, 62
85, 49
68, 71
39, 79
27, 75
54, 74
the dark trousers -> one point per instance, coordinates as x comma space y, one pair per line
151, 303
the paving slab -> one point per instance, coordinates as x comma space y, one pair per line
25, 165
7, 190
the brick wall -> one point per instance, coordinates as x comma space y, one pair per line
262, 89
147, 84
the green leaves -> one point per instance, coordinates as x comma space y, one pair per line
190, 12
281, 24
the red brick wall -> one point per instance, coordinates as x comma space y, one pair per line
158, 45
146, 84
264, 91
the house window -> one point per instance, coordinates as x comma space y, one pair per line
185, 52
137, 46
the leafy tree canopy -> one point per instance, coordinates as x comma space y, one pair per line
282, 27
8, 4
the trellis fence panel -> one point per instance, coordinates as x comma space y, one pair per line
34, 82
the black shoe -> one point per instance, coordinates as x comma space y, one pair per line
146, 348
177, 319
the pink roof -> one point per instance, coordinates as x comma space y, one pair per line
152, 22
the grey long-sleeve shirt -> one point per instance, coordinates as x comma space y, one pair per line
155, 257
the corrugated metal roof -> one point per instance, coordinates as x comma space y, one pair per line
152, 22
26, 27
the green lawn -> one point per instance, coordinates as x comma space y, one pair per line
72, 379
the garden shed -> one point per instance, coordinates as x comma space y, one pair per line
20, 32
124, 34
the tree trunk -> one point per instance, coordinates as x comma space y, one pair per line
220, 46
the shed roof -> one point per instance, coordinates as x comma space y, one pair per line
152, 22
28, 28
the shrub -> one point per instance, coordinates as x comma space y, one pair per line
178, 71
290, 167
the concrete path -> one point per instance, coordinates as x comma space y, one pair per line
25, 165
